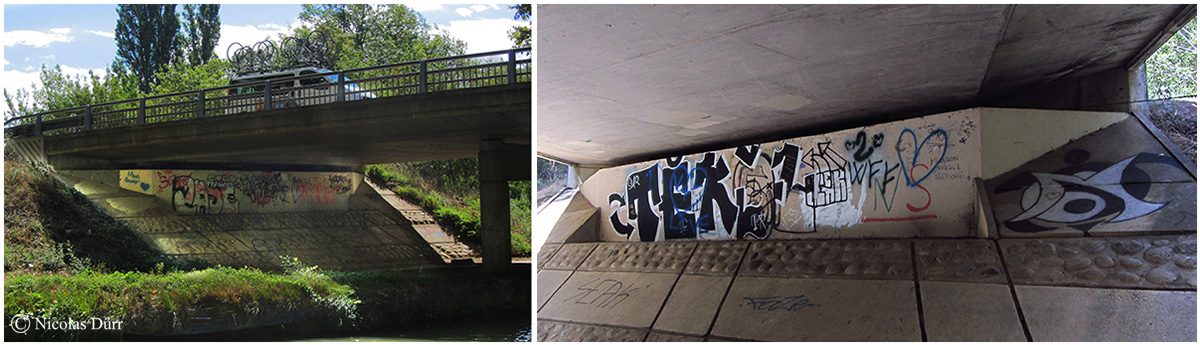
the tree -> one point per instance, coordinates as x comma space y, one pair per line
521, 35
147, 40
371, 35
202, 25
1171, 71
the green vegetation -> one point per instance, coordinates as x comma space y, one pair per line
153, 302
50, 226
449, 191
1171, 71
522, 35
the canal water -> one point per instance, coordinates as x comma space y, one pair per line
514, 328
492, 328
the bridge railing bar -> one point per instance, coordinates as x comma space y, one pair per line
400, 79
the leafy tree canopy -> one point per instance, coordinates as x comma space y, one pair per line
1171, 71
521, 35
147, 40
371, 35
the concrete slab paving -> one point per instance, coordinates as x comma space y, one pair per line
1160, 262
805, 309
955, 311
639, 257
610, 298
959, 260
569, 256
659, 337
883, 259
693, 304
1088, 314
719, 257
566, 331
548, 281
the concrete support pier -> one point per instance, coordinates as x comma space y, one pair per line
499, 162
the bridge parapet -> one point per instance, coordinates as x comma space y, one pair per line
409, 78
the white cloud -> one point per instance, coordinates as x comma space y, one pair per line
36, 38
463, 11
478, 8
483, 35
494, 6
102, 33
425, 6
248, 35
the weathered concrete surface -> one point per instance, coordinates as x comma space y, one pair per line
610, 298
639, 257
799, 309
1094, 185
959, 260
565, 331
693, 304
360, 236
851, 259
969, 312
1012, 137
1158, 262
668, 337
444, 125
909, 178
1085, 314
569, 256
717, 258
717, 76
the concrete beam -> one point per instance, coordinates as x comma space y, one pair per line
444, 125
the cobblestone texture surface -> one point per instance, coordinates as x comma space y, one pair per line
569, 256
717, 258
1141, 262
854, 259
639, 257
959, 260
546, 253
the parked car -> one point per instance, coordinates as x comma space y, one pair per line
290, 90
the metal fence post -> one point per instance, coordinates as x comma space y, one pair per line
341, 88
202, 107
267, 104
37, 126
87, 118
142, 111
424, 86
512, 66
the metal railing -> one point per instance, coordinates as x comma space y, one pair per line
408, 78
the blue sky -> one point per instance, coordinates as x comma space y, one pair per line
79, 38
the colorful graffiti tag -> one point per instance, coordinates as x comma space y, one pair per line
797, 186
216, 192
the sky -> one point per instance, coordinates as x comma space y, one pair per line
80, 38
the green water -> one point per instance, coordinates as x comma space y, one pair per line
492, 329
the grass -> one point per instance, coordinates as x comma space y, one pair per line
442, 190
156, 302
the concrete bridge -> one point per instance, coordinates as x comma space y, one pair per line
298, 148
861, 173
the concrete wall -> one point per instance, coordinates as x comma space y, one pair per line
910, 178
225, 192
1012, 137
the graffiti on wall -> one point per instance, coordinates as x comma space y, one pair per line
214, 192
1086, 194
791, 186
